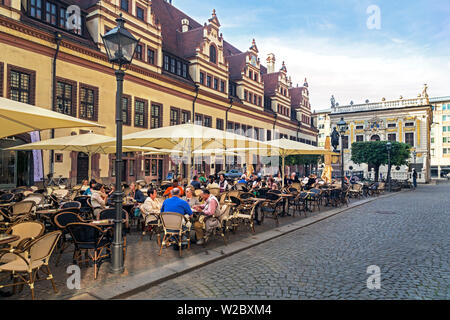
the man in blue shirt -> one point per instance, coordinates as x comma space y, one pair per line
176, 204
243, 179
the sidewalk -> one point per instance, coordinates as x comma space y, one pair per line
144, 268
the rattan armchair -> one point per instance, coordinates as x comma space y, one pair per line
88, 237
173, 230
271, 207
61, 220
34, 257
19, 211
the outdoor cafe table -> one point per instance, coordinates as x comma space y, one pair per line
8, 238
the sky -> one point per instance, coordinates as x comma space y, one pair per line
352, 49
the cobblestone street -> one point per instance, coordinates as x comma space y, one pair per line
406, 236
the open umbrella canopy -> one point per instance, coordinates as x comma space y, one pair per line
189, 138
17, 117
216, 152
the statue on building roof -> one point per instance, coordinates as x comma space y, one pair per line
425, 93
333, 101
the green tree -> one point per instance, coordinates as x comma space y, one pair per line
375, 153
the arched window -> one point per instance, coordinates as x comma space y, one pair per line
212, 54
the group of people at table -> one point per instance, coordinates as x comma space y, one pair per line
183, 200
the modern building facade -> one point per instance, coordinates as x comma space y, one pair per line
440, 137
183, 71
403, 120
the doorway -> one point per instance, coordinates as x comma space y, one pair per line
82, 167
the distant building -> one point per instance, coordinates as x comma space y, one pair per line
440, 137
321, 121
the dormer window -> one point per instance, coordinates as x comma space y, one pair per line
212, 54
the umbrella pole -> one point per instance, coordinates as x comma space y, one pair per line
90, 166
282, 169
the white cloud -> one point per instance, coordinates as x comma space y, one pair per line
356, 71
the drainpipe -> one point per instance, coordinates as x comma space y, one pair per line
58, 38
193, 102
274, 123
225, 128
192, 164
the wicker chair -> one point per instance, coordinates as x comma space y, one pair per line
356, 190
271, 207
27, 231
85, 210
111, 215
300, 203
20, 211
34, 257
215, 192
315, 198
173, 230
61, 220
245, 215
6, 197
88, 237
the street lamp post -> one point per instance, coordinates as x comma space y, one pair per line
389, 147
342, 125
120, 46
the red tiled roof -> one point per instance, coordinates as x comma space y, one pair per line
236, 65
270, 83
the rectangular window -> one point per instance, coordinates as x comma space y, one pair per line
444, 139
124, 5
198, 119
179, 70
359, 127
409, 138
444, 151
208, 81
62, 18
126, 110
392, 125
207, 122
50, 13
250, 74
154, 167
444, 118
156, 117
392, 137
202, 78
166, 63
172, 65
36, 9
147, 167
65, 98
444, 129
432, 140
219, 124
222, 86
88, 98
140, 13
249, 132
58, 157
174, 116
238, 129
230, 126
139, 52
259, 101
359, 138
269, 135
151, 56
185, 116
140, 113
345, 142
216, 84
250, 97
245, 95
185, 70
409, 124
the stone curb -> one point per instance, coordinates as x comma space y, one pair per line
147, 279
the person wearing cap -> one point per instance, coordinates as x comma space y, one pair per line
211, 210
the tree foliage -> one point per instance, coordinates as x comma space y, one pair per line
302, 159
375, 153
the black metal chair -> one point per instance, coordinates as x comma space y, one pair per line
270, 208
87, 237
7, 197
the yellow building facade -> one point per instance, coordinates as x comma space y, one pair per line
45, 64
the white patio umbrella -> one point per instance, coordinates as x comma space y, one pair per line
89, 143
188, 138
284, 148
17, 117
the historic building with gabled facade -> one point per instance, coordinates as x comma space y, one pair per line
183, 71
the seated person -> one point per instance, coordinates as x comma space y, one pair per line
88, 191
212, 183
211, 209
177, 205
135, 193
84, 185
223, 183
98, 199
190, 197
195, 183
151, 207
243, 179
311, 182
175, 185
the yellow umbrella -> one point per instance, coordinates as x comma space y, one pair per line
284, 148
17, 117
188, 138
88, 143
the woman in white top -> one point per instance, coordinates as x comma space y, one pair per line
223, 183
151, 206
98, 199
